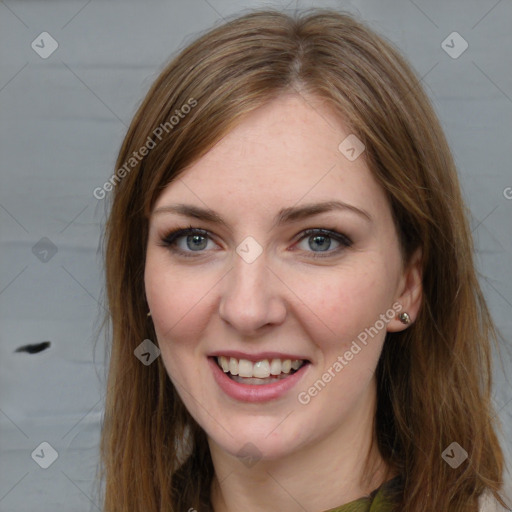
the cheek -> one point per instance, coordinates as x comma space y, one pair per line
349, 348
176, 312
344, 303
177, 298
179, 305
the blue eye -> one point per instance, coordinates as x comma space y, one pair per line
320, 241
192, 242
195, 241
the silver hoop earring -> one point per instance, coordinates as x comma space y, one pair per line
404, 318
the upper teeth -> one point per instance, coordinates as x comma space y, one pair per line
259, 369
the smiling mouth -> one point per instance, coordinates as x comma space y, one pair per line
266, 371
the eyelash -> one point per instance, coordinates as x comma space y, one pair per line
169, 240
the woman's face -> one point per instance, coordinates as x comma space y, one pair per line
296, 258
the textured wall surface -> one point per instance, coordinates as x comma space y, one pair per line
72, 75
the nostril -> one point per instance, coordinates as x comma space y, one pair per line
34, 348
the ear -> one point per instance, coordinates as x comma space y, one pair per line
409, 293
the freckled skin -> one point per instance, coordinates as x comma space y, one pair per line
282, 155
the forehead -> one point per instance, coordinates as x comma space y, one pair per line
284, 152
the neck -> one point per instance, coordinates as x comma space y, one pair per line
316, 477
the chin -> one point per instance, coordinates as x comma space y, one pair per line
259, 442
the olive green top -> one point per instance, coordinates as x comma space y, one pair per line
377, 501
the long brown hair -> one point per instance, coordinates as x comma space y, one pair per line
434, 378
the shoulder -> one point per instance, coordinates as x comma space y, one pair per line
488, 503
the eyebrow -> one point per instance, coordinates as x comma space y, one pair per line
285, 215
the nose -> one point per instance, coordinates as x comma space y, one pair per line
252, 296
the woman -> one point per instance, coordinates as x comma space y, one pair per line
289, 258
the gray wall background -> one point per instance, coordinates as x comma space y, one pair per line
62, 121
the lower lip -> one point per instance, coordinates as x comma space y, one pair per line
255, 392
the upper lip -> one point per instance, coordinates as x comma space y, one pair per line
260, 356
